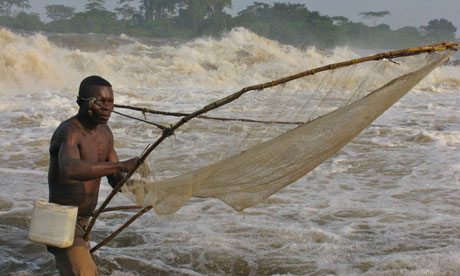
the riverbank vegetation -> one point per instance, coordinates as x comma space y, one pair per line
186, 19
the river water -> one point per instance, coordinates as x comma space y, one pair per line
387, 204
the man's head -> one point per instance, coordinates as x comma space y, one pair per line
95, 98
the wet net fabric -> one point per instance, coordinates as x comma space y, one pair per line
306, 121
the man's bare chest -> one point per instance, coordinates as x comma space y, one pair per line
94, 147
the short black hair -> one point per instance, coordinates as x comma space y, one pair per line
89, 81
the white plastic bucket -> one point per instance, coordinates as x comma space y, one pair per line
53, 224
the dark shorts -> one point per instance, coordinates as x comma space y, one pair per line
75, 260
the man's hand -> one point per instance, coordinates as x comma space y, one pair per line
128, 165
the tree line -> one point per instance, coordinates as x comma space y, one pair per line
185, 19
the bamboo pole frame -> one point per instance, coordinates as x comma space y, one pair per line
119, 208
123, 227
442, 46
181, 114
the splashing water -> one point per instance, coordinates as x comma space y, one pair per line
388, 203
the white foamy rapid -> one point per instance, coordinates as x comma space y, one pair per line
240, 58
387, 204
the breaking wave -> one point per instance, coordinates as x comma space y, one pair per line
239, 58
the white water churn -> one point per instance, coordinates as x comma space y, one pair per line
53, 224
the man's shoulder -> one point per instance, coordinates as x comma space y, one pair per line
66, 131
70, 126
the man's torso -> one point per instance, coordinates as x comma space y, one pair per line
93, 146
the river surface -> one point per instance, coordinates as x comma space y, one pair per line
387, 204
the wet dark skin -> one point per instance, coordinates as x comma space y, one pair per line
82, 151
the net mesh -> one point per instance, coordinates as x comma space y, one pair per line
305, 121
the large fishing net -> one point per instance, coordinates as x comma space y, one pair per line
265, 139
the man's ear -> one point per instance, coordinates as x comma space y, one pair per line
81, 101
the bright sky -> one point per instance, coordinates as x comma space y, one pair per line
403, 12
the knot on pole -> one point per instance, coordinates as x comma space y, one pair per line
168, 131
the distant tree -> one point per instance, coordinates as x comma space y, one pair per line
57, 12
439, 30
28, 21
290, 12
215, 6
6, 6
289, 23
353, 33
256, 9
203, 8
406, 36
126, 11
95, 5
92, 21
340, 20
160, 9
190, 14
215, 24
374, 16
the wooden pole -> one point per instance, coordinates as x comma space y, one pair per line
170, 130
118, 186
123, 227
118, 208
181, 114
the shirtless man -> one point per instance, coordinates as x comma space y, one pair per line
81, 152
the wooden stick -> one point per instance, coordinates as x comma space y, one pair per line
180, 114
169, 131
123, 227
138, 119
118, 208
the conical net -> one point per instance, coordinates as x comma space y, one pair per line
276, 135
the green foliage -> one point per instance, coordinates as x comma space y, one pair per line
28, 21
93, 21
406, 36
126, 11
438, 30
56, 12
340, 20
374, 16
6, 6
289, 23
95, 5
216, 6
166, 28
24, 21
193, 12
7, 21
160, 9
215, 24
185, 19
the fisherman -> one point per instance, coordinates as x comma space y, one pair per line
81, 152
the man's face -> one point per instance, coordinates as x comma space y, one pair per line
101, 109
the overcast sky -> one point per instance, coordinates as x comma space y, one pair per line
403, 12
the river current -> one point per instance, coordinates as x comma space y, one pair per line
387, 204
